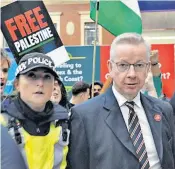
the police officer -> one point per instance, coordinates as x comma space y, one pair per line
40, 128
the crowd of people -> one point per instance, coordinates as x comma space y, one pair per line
125, 123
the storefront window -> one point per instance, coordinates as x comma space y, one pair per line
89, 33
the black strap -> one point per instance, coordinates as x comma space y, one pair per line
64, 124
13, 123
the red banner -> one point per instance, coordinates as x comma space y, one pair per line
104, 56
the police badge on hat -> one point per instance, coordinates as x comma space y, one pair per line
35, 60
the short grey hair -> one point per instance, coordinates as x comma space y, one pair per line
128, 38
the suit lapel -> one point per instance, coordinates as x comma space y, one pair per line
153, 114
116, 122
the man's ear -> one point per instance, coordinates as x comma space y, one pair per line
109, 65
16, 84
82, 95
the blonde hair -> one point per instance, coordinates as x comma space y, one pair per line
4, 56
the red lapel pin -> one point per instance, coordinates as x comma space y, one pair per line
157, 117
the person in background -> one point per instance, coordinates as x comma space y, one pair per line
59, 94
11, 157
149, 88
97, 88
123, 128
80, 93
4, 67
153, 85
39, 127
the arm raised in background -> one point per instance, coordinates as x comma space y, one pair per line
156, 72
154, 59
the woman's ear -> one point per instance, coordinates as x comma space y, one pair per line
16, 84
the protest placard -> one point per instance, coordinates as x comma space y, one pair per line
27, 27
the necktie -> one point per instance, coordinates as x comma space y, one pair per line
136, 136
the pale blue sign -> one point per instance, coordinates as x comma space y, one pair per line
11, 75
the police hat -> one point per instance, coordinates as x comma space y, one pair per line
35, 60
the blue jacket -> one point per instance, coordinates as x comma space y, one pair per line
11, 157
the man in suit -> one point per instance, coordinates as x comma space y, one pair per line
172, 102
122, 128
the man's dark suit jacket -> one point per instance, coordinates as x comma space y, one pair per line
172, 102
100, 140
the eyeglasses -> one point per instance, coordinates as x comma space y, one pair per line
124, 66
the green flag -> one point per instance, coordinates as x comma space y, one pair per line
118, 16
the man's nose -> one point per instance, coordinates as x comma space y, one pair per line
131, 72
